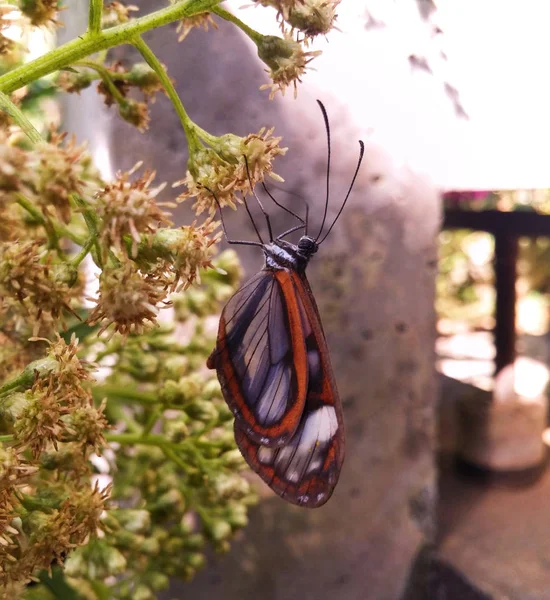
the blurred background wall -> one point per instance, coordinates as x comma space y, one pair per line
374, 283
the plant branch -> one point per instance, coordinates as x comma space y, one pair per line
106, 76
19, 118
86, 248
255, 36
89, 43
95, 15
51, 231
156, 65
124, 393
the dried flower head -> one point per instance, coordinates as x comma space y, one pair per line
14, 470
14, 170
40, 421
200, 21
142, 76
253, 155
54, 395
48, 534
7, 45
208, 175
8, 16
135, 113
176, 256
59, 170
127, 300
86, 426
222, 170
41, 12
70, 371
283, 7
121, 86
130, 208
13, 165
43, 289
287, 61
313, 17
75, 81
116, 13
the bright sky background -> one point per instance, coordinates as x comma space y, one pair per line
498, 58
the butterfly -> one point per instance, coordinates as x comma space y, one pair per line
273, 364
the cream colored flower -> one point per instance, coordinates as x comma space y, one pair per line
287, 61
127, 300
129, 208
221, 170
200, 21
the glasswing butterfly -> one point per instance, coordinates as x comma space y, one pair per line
274, 368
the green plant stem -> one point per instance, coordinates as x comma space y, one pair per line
19, 119
51, 232
156, 65
129, 439
107, 78
153, 418
91, 223
6, 438
124, 393
90, 242
60, 230
169, 453
89, 43
254, 35
94, 17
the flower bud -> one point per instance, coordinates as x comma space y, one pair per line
217, 530
176, 430
195, 541
157, 581
142, 592
144, 77
202, 410
74, 82
287, 60
211, 389
233, 459
229, 262
40, 12
175, 367
169, 503
313, 17
236, 516
135, 113
133, 520
195, 560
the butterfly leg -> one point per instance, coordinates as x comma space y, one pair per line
268, 220
236, 242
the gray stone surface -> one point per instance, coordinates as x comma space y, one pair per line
374, 282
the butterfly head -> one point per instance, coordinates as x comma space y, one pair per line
307, 246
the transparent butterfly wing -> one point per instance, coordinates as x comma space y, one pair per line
261, 360
305, 471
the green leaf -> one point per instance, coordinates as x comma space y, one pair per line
58, 585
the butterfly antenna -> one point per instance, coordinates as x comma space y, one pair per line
268, 220
327, 128
361, 153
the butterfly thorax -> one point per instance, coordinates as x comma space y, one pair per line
280, 254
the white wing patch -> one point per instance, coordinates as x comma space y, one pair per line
305, 453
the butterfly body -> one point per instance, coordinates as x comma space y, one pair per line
274, 369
